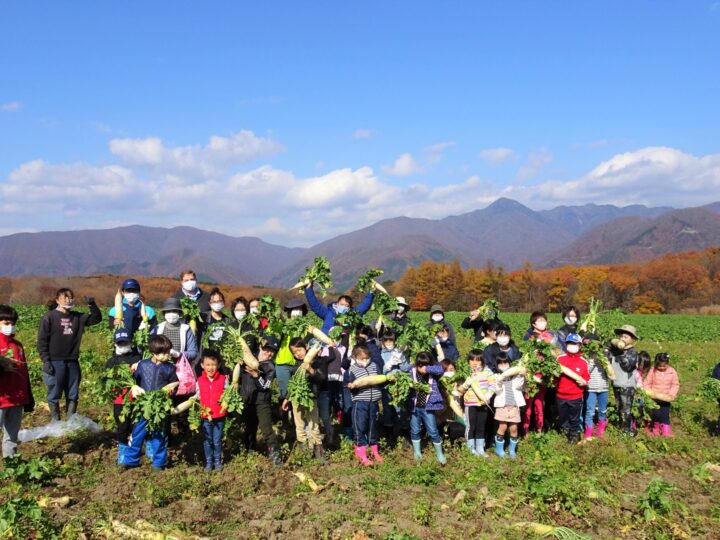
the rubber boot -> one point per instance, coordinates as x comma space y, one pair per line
417, 452
361, 454
71, 408
665, 430
471, 446
376, 453
512, 448
275, 457
54, 411
602, 425
439, 453
319, 454
588, 432
500, 446
480, 448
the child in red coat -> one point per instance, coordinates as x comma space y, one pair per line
15, 392
571, 387
210, 387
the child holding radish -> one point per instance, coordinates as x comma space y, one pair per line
125, 354
302, 395
570, 389
365, 398
395, 419
661, 384
424, 405
601, 372
624, 361
210, 387
536, 404
343, 304
15, 390
477, 392
152, 373
508, 400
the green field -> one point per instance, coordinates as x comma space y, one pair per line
618, 488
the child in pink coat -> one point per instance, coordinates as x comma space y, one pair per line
662, 384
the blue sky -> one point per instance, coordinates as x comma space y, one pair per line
296, 121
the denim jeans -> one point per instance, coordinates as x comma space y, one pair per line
129, 454
65, 380
212, 439
420, 417
283, 373
327, 400
364, 418
601, 400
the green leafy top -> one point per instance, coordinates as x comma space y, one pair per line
365, 282
490, 309
590, 319
190, 308
417, 337
350, 320
297, 326
319, 274
383, 303
539, 359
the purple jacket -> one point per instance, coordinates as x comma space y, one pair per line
435, 400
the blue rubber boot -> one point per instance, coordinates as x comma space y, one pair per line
417, 453
471, 446
512, 450
480, 448
500, 446
439, 453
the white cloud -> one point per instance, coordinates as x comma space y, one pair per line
537, 159
10, 106
495, 156
219, 154
407, 164
279, 206
363, 134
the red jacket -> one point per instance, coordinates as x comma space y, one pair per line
210, 392
567, 388
15, 385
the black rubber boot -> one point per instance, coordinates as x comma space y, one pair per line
71, 408
54, 411
319, 454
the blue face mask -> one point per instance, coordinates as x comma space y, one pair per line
341, 309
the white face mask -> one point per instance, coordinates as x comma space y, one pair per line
7, 329
254, 310
448, 374
296, 313
541, 325
570, 320
131, 297
362, 363
401, 310
573, 348
123, 349
240, 315
190, 285
503, 341
67, 305
172, 318
217, 306
503, 369
437, 317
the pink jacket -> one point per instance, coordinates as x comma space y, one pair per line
663, 382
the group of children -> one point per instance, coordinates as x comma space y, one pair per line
498, 407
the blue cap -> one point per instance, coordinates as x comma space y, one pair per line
131, 284
121, 334
573, 338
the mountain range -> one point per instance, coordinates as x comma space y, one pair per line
505, 233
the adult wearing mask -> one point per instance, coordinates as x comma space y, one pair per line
189, 289
342, 305
284, 360
571, 316
58, 344
131, 317
240, 309
216, 316
503, 344
437, 316
179, 333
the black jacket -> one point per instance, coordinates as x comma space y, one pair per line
492, 351
475, 325
60, 333
258, 390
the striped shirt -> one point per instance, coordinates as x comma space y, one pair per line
509, 393
485, 380
598, 378
366, 393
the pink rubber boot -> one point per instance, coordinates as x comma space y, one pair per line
602, 424
375, 453
361, 454
665, 430
588, 432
